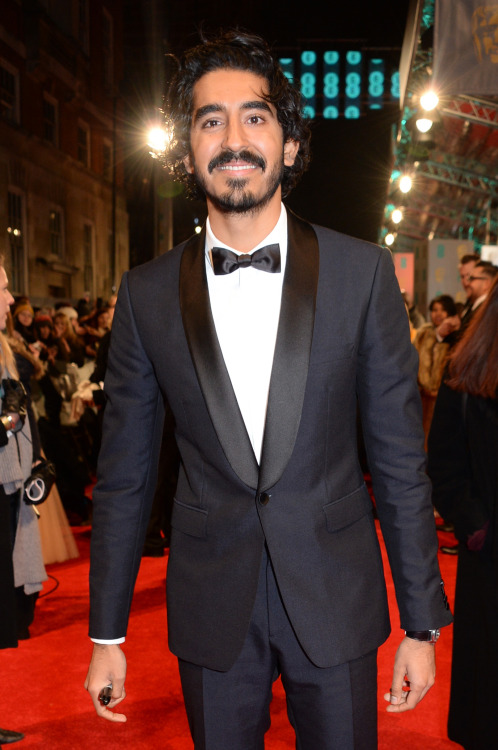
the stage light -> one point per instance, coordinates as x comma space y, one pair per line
423, 124
389, 238
397, 216
405, 183
429, 101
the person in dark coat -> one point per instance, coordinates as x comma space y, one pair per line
463, 466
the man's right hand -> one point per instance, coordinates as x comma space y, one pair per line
107, 666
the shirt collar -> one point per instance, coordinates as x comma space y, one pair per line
277, 235
479, 301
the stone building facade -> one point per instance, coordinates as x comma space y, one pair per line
63, 215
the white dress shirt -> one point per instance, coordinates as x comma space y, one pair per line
246, 307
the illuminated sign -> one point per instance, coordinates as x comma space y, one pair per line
343, 82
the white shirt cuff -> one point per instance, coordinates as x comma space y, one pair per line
108, 642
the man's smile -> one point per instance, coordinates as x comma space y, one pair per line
237, 167
236, 161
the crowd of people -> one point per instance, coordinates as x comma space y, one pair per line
61, 355
435, 339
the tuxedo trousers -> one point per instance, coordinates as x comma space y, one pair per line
332, 708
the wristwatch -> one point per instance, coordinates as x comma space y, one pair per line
429, 636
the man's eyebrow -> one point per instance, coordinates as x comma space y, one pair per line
257, 104
208, 109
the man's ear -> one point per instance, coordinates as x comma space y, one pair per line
290, 152
187, 161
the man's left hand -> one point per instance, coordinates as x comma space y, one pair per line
414, 674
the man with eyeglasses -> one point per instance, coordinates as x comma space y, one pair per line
476, 276
480, 282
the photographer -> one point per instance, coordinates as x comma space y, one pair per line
21, 564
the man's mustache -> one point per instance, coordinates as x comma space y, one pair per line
227, 156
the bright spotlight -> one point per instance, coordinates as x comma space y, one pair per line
389, 239
429, 100
424, 124
157, 140
405, 183
397, 215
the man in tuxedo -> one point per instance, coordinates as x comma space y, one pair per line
264, 334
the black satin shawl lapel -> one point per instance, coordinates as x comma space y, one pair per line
292, 351
209, 364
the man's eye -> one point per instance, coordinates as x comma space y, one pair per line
255, 119
210, 123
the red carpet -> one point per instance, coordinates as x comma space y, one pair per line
41, 682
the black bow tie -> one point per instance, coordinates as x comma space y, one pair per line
265, 259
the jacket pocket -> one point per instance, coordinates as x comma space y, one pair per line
189, 520
348, 509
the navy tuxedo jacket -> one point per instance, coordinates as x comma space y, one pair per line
342, 340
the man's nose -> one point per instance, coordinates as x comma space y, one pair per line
234, 136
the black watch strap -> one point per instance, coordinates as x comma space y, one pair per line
429, 636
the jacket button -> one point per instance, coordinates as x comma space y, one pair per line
264, 498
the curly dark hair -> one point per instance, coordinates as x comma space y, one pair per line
233, 50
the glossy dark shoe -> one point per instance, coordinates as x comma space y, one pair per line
7, 736
450, 550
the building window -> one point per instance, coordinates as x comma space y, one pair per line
56, 233
84, 144
88, 257
9, 92
15, 231
108, 48
107, 161
50, 120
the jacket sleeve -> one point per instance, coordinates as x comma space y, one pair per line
391, 418
127, 473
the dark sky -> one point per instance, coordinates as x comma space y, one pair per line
380, 22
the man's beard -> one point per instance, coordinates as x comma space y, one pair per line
237, 200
